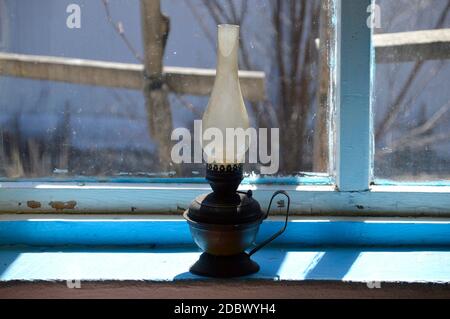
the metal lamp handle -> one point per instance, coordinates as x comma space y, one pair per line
267, 241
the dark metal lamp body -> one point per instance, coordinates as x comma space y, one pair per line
225, 223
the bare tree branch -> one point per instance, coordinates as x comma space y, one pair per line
185, 103
293, 61
390, 117
431, 122
234, 15
417, 143
279, 53
212, 9
244, 9
225, 16
421, 129
220, 15
202, 24
118, 27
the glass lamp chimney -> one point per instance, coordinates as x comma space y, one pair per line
226, 108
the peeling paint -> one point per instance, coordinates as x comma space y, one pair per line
63, 205
33, 204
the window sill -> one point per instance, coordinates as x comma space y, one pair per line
285, 273
348, 264
130, 252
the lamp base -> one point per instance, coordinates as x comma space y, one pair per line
224, 266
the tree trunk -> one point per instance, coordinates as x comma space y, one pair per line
321, 143
155, 29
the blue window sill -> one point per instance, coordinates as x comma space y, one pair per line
349, 264
414, 251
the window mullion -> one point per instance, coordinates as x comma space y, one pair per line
354, 123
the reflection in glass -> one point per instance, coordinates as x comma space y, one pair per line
61, 130
412, 96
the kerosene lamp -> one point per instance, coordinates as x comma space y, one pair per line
225, 222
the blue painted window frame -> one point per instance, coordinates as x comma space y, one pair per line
350, 193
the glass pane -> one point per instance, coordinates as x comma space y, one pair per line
54, 129
412, 96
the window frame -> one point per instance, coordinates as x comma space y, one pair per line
350, 193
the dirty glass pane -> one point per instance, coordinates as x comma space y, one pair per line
412, 96
54, 129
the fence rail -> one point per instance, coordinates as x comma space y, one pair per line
181, 80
